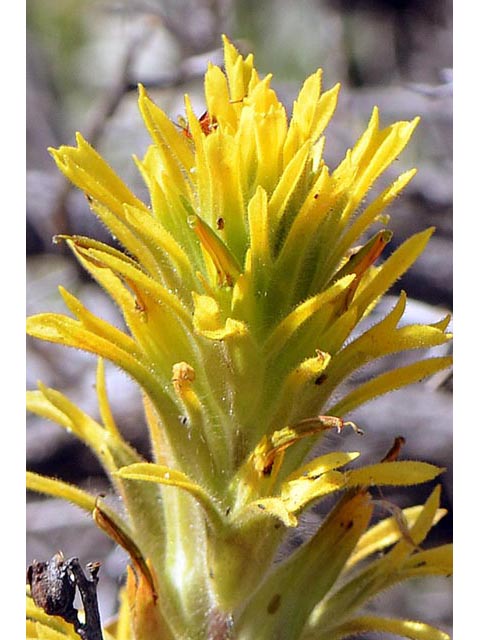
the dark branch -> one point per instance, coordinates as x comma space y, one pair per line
53, 586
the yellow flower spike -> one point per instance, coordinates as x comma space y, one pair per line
218, 99
360, 261
118, 224
63, 330
382, 339
55, 406
268, 508
240, 291
270, 128
98, 326
291, 401
304, 111
311, 114
111, 450
201, 174
183, 376
436, 561
419, 530
322, 464
371, 165
169, 255
200, 433
134, 277
260, 471
298, 494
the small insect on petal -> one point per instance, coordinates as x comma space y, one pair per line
208, 123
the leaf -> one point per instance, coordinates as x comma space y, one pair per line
150, 472
175, 151
103, 402
385, 382
89, 171
135, 277
395, 266
377, 575
287, 183
64, 330
382, 339
322, 464
109, 447
297, 494
38, 631
265, 507
363, 624
280, 607
303, 312
367, 217
59, 489
145, 612
396, 473
39, 622
386, 533
435, 561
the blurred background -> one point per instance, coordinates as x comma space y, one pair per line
84, 61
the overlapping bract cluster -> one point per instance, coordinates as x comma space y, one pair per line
240, 287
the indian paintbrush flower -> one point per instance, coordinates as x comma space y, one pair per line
240, 284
